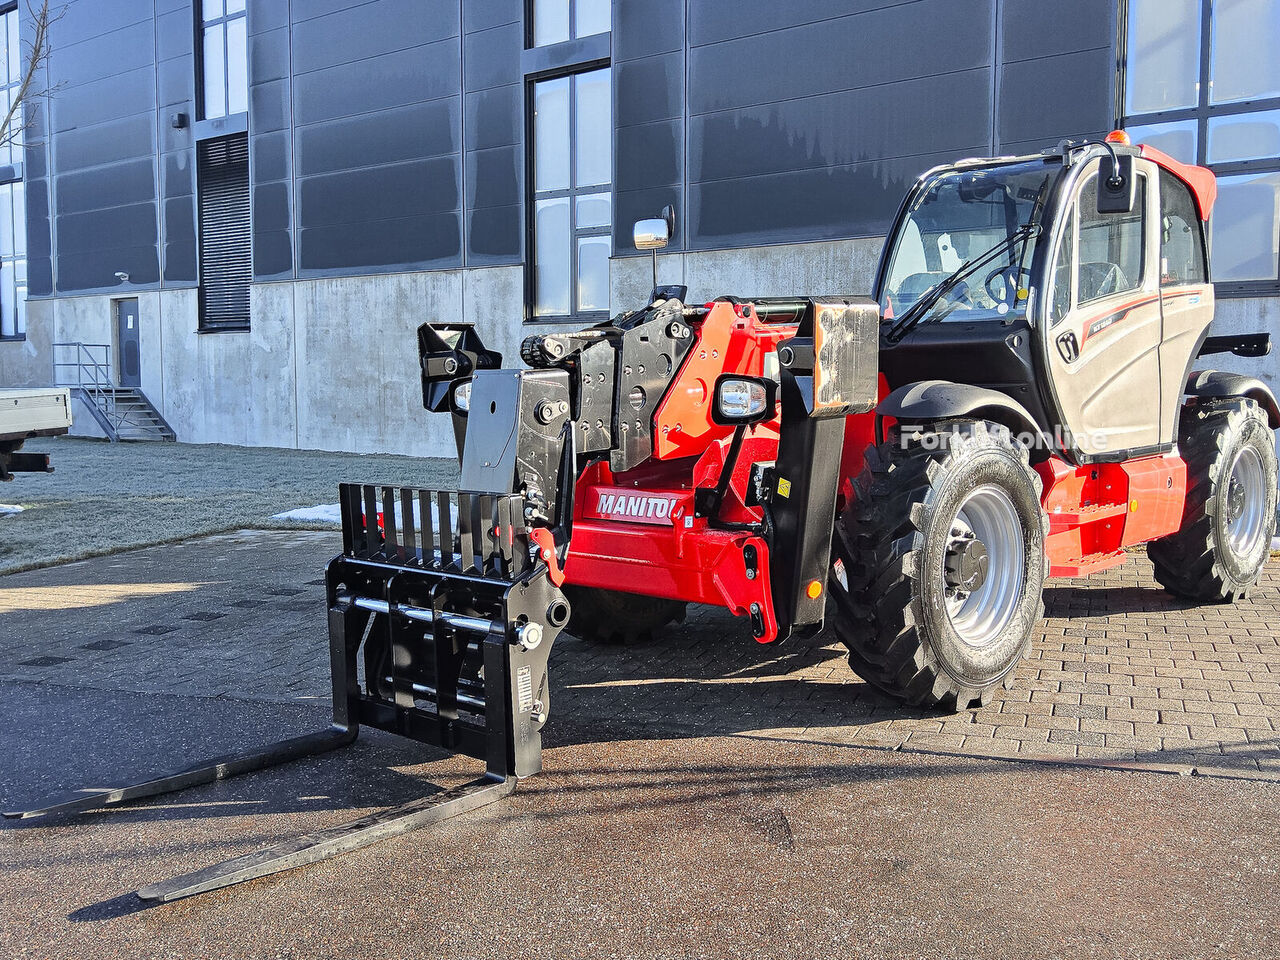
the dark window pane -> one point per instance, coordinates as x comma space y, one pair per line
1177, 139
1181, 246
1163, 55
593, 273
590, 17
550, 21
593, 210
551, 255
1246, 136
1062, 272
1244, 229
1111, 246
237, 67
215, 81
551, 134
1245, 36
594, 129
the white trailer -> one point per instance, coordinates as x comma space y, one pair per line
28, 413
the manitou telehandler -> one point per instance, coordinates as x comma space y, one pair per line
1017, 401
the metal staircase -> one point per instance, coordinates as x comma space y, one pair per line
123, 413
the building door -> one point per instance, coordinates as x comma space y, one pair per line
128, 343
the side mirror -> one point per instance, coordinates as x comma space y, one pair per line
743, 400
1117, 186
655, 233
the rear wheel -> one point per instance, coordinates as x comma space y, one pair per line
939, 565
1219, 552
612, 616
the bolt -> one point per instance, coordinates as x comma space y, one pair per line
539, 714
529, 636
751, 574
450, 365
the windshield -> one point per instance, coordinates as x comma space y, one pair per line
958, 216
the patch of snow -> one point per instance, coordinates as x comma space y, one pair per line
321, 513
9, 509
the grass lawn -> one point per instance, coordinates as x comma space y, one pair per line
106, 497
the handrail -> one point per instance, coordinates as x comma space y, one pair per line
91, 374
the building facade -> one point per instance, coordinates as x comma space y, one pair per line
252, 205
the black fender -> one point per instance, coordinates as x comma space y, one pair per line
1221, 385
928, 401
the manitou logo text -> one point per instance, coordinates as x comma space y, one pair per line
637, 508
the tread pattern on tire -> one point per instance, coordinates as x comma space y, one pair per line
1186, 563
879, 539
611, 616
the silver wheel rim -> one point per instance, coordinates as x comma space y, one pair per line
979, 616
1246, 490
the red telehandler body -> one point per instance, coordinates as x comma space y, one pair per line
1016, 401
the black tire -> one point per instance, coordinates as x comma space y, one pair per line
1203, 561
889, 570
611, 616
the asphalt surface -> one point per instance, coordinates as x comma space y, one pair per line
745, 846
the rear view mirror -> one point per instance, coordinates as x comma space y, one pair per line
1117, 186
650, 234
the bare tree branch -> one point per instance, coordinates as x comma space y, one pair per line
35, 54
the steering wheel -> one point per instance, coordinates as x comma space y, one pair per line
1012, 277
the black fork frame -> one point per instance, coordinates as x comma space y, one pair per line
432, 598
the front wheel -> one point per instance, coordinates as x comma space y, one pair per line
1218, 553
939, 564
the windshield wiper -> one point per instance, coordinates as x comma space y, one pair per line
915, 313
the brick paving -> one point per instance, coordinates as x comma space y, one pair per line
1121, 674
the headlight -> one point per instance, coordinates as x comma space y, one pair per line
462, 396
744, 400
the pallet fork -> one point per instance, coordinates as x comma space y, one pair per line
444, 601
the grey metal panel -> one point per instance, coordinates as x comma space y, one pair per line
392, 80
39, 277
176, 84
102, 229
39, 240
112, 141
175, 33
121, 183
416, 131
632, 205
493, 117
264, 14
272, 254
882, 45
90, 19
371, 31
492, 57
271, 156
96, 269
715, 20
269, 56
180, 220
929, 115
180, 263
179, 175
269, 105
120, 96
375, 245
649, 89
483, 14
642, 28
855, 200
1034, 28
495, 235
271, 206
421, 188
1035, 102
494, 177
649, 155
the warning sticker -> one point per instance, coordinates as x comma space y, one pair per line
524, 689
784, 487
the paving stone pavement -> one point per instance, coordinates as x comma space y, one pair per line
1121, 674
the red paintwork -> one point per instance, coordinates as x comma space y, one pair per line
547, 550
1203, 183
731, 339
1095, 511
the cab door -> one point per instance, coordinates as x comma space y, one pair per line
1103, 324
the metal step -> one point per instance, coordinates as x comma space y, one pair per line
125, 413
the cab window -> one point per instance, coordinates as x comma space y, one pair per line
1111, 246
1182, 257
1061, 304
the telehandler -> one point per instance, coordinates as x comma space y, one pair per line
1017, 401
